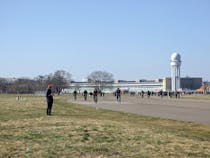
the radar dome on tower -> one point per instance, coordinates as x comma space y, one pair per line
175, 57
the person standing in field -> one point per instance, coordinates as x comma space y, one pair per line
49, 98
95, 96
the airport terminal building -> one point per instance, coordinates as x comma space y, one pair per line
187, 83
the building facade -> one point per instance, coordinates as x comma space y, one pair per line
187, 83
130, 86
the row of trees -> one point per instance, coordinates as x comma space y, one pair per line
59, 79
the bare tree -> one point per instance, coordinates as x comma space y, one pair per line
23, 85
41, 82
60, 79
100, 78
4, 84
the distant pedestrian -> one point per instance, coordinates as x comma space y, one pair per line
118, 95
161, 93
75, 94
49, 98
176, 94
95, 96
85, 93
142, 94
148, 94
170, 94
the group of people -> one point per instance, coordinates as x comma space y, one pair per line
49, 97
85, 94
160, 94
117, 93
95, 94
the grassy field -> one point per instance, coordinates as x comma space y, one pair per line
79, 131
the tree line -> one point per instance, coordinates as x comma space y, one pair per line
59, 79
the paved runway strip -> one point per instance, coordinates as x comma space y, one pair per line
189, 110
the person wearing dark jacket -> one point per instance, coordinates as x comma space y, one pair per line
95, 96
75, 94
118, 95
49, 98
85, 95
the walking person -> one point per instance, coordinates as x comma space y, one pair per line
142, 94
85, 95
75, 94
161, 94
118, 95
95, 96
148, 94
170, 94
49, 98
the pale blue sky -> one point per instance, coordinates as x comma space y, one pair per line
133, 39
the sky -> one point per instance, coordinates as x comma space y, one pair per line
132, 39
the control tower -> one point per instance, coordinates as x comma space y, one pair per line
175, 71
